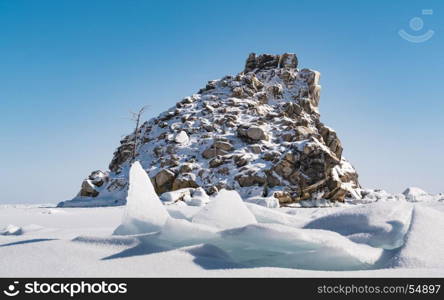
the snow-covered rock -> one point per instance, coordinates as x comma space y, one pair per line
373, 195
415, 194
191, 196
198, 198
144, 212
270, 202
177, 195
258, 129
181, 138
11, 230
226, 210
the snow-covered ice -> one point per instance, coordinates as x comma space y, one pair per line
379, 224
226, 238
226, 210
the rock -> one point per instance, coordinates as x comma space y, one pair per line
261, 62
216, 162
275, 91
271, 155
164, 181
283, 197
177, 195
186, 180
256, 149
226, 146
250, 180
11, 230
212, 152
258, 129
198, 197
256, 133
117, 184
331, 140
182, 138
98, 178
185, 168
123, 153
288, 60
303, 132
88, 189
415, 194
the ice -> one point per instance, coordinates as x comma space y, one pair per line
265, 215
227, 237
11, 230
144, 212
226, 210
380, 225
282, 246
184, 232
183, 248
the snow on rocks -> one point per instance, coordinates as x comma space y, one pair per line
191, 196
198, 198
373, 195
182, 138
270, 202
144, 212
226, 210
177, 195
259, 128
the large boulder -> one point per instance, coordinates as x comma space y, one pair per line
259, 129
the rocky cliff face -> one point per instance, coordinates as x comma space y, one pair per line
258, 132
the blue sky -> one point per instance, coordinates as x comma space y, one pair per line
70, 71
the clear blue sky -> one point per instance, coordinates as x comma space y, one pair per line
71, 70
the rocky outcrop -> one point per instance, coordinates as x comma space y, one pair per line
259, 129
